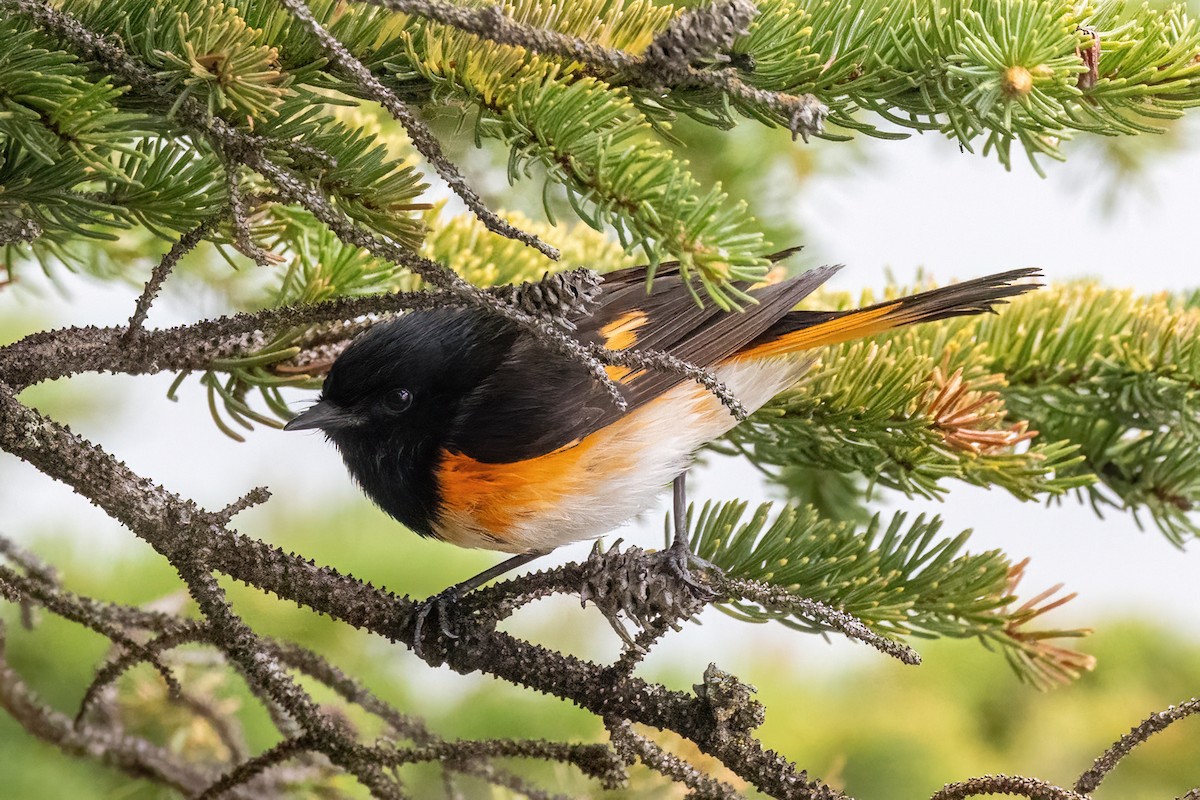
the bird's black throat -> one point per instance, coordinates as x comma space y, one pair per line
397, 472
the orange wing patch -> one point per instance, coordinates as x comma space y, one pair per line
621, 334
624, 374
622, 331
491, 500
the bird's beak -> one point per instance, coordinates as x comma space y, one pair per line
323, 415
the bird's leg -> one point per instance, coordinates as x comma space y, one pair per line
680, 558
441, 602
679, 496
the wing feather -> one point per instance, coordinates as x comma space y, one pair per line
537, 401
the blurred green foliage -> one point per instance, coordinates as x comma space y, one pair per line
876, 728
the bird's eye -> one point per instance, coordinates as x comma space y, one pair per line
399, 400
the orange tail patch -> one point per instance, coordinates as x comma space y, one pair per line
804, 330
853, 325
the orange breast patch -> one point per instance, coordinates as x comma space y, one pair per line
493, 499
582, 490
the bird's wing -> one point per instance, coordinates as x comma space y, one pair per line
538, 400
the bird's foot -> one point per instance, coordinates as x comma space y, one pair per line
444, 604
440, 607
680, 561
652, 590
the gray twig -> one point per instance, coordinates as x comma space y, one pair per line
350, 690
255, 497
658, 360
251, 768
846, 624
269, 680
1160, 721
108, 674
632, 746
594, 760
1032, 788
241, 226
129, 754
25, 559
19, 589
158, 275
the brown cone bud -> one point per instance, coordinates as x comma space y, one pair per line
1017, 81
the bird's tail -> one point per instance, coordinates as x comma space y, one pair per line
804, 330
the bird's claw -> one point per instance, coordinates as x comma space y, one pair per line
438, 605
680, 561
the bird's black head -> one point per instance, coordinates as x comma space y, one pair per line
390, 402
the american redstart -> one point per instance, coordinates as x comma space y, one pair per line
465, 427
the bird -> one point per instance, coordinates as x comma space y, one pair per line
464, 426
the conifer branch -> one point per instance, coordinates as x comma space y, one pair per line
194, 535
1090, 377
417, 131
816, 574
143, 507
140, 124
1118, 371
912, 427
1004, 72
603, 150
802, 115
